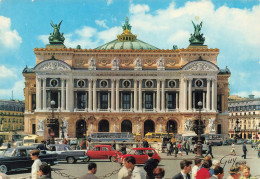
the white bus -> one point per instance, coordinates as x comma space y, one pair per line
110, 136
216, 139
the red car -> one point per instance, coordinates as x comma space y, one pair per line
102, 152
140, 155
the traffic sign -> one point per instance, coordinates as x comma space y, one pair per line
52, 134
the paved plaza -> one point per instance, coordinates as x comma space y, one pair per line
169, 163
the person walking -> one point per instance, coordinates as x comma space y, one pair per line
187, 146
176, 149
114, 144
185, 170
234, 173
168, 148
34, 154
210, 150
129, 170
204, 171
159, 173
149, 166
244, 150
92, 170
233, 152
196, 168
218, 173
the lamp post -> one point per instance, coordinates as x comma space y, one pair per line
237, 129
200, 128
62, 130
256, 133
51, 123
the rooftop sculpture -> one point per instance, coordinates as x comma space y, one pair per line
56, 37
197, 38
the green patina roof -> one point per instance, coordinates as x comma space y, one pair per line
28, 70
127, 40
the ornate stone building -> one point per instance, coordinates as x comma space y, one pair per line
247, 113
126, 85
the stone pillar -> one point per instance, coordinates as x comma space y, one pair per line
117, 95
67, 95
177, 101
30, 103
208, 95
184, 94
163, 95
109, 101
62, 94
140, 96
38, 93
190, 95
44, 93
135, 95
158, 96
94, 95
213, 95
112, 95
203, 101
90, 97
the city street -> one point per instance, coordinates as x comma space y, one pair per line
170, 164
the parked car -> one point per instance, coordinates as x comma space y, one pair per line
102, 152
19, 158
140, 155
66, 153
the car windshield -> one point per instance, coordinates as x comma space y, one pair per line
132, 152
9, 152
29, 141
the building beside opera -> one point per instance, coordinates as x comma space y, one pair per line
11, 115
126, 85
247, 112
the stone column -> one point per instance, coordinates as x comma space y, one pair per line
177, 101
140, 96
135, 95
208, 95
117, 95
158, 96
112, 95
44, 93
38, 93
131, 101
109, 101
30, 103
184, 94
94, 95
203, 101
62, 94
163, 95
67, 95
213, 95
190, 95
90, 97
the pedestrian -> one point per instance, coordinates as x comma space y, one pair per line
185, 170
129, 170
233, 152
149, 166
258, 149
123, 149
45, 171
246, 173
83, 144
42, 146
65, 141
218, 173
159, 173
241, 165
210, 150
204, 171
114, 144
168, 148
215, 163
196, 168
187, 147
34, 154
176, 149
146, 144
92, 170
244, 150
195, 148
234, 173
179, 149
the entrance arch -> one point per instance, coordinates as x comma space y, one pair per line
103, 126
126, 126
148, 126
81, 128
171, 126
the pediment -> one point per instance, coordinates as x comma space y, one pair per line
52, 65
200, 66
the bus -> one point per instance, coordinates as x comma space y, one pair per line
32, 139
110, 136
138, 137
10, 137
158, 136
216, 139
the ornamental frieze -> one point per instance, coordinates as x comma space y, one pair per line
52, 66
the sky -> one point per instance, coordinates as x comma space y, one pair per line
233, 26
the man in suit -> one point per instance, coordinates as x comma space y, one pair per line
149, 166
218, 173
185, 170
244, 150
210, 150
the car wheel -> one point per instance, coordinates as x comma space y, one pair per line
71, 160
3, 169
112, 159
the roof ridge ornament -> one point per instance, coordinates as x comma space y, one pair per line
126, 35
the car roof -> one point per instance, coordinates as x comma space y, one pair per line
59, 145
102, 145
143, 148
25, 147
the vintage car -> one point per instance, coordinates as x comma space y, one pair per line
66, 153
102, 152
19, 158
140, 155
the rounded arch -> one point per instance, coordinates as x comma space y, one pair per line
81, 128
126, 126
171, 126
103, 126
149, 126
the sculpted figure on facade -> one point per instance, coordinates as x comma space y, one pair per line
160, 64
188, 125
212, 125
91, 128
138, 64
115, 64
114, 127
65, 125
53, 66
160, 127
40, 125
92, 64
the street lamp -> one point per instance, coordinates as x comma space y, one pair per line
256, 133
237, 129
62, 130
52, 123
200, 131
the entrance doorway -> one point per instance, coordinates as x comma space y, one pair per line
81, 128
103, 126
148, 126
219, 129
171, 126
126, 126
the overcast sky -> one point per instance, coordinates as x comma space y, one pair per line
233, 26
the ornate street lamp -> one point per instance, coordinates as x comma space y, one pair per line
51, 123
237, 129
62, 130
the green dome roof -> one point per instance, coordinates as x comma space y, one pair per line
126, 40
